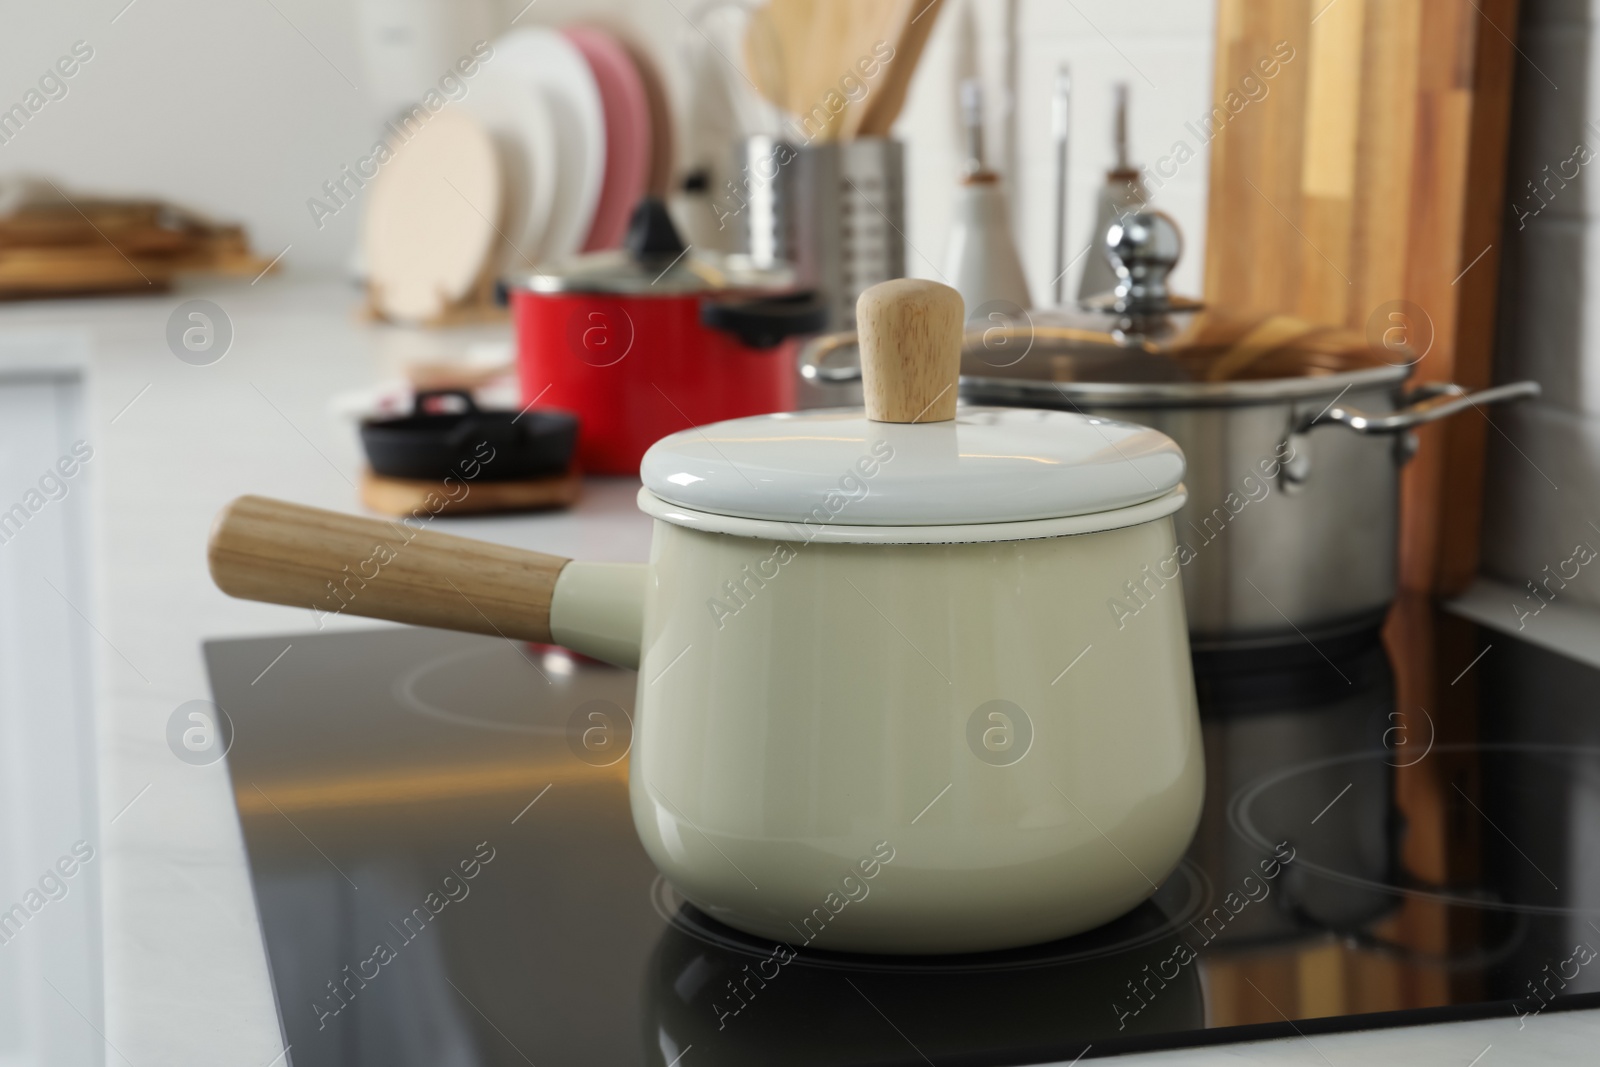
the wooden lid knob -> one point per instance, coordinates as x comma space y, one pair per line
910, 335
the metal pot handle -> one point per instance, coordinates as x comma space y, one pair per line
1426, 403
1435, 400
816, 351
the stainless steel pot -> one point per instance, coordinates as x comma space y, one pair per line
1294, 435
1293, 487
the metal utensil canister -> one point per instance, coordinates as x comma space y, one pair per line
835, 211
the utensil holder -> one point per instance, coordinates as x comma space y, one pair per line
835, 210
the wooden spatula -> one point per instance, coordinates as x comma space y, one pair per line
911, 32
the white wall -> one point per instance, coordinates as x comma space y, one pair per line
243, 109
223, 107
1543, 493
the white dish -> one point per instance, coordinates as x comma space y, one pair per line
553, 66
525, 135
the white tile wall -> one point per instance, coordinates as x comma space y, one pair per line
1543, 488
1556, 12
1558, 103
1550, 275
1542, 500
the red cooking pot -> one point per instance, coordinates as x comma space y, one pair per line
649, 339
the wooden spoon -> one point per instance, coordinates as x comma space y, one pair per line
764, 57
804, 54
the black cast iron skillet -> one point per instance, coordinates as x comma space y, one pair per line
447, 434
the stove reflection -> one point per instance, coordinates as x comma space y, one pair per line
1415, 881
1261, 713
740, 1001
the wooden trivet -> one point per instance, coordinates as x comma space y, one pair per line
405, 496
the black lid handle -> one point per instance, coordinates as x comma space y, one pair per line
651, 234
763, 322
425, 402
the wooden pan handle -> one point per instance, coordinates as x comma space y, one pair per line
304, 557
910, 337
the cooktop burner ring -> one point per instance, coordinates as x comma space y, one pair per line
405, 686
1239, 818
1187, 879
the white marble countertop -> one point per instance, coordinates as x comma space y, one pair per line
185, 972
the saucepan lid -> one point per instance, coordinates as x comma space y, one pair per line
911, 458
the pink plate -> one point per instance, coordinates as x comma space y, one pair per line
627, 110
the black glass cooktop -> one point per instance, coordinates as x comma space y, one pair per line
447, 874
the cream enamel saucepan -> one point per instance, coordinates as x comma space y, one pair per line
882, 703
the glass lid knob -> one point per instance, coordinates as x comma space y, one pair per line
1143, 247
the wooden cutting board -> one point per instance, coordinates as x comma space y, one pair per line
431, 220
1370, 171
88, 245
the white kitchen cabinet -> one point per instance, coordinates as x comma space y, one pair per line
51, 1003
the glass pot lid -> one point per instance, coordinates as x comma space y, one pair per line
1197, 346
1139, 345
1142, 336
